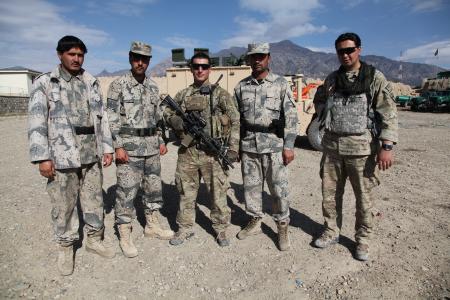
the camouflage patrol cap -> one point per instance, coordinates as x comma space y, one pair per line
258, 48
141, 48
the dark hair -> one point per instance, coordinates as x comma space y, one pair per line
200, 55
348, 36
68, 42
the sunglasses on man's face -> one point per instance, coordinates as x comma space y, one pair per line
198, 66
347, 51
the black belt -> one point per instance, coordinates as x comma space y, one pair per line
258, 128
80, 130
138, 131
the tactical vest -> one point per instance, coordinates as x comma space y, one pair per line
204, 104
350, 115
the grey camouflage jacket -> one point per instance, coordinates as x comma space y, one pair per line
50, 132
131, 104
259, 104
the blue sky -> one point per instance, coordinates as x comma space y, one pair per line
398, 29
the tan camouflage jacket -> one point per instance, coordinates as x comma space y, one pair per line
223, 104
131, 104
50, 132
382, 103
260, 104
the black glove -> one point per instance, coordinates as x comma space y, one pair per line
232, 156
176, 122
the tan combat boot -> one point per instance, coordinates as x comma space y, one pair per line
283, 235
94, 244
125, 242
65, 260
253, 227
362, 252
153, 227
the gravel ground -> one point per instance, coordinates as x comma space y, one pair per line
409, 256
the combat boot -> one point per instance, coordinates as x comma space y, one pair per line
125, 241
94, 244
180, 236
153, 227
325, 240
65, 260
283, 235
362, 252
222, 239
253, 227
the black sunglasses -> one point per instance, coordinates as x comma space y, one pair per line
347, 51
197, 66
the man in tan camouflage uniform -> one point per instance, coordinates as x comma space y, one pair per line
134, 116
269, 128
69, 136
217, 108
360, 120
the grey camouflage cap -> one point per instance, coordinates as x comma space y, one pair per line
258, 48
141, 48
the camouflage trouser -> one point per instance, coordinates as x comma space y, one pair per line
192, 164
140, 172
362, 172
64, 189
269, 166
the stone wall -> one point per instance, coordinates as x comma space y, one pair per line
13, 105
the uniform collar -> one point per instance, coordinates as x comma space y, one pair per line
134, 82
269, 78
64, 74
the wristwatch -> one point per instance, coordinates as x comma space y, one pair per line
387, 147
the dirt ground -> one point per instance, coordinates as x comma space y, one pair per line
410, 254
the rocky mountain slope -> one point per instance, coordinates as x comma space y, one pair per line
290, 58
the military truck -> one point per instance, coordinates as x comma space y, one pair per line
233, 69
403, 100
440, 101
435, 94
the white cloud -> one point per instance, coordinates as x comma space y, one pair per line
120, 7
30, 30
411, 5
426, 5
283, 19
348, 4
183, 42
425, 53
321, 49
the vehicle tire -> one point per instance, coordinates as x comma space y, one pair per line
315, 134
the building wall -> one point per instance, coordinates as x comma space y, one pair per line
179, 78
14, 84
13, 105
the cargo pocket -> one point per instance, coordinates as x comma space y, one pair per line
272, 105
370, 173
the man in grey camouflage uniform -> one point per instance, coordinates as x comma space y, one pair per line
216, 106
269, 128
360, 119
69, 135
135, 117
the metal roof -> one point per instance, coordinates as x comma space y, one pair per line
18, 69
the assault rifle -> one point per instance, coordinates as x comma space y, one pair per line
194, 124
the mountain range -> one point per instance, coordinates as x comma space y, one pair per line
290, 58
